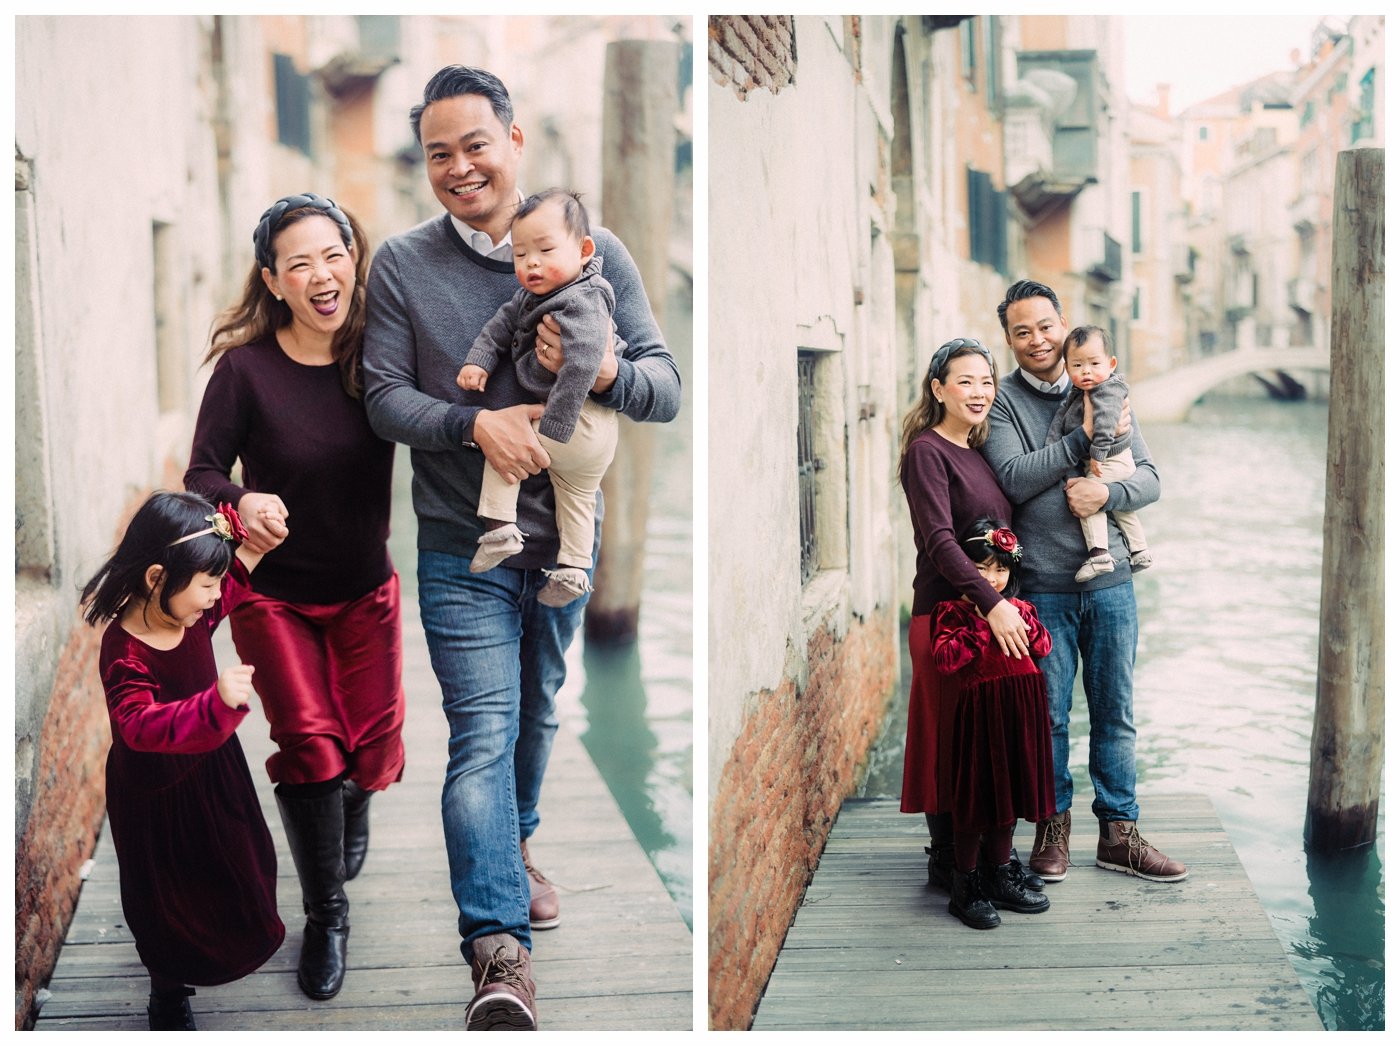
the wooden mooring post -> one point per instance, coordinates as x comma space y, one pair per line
639, 148
1349, 722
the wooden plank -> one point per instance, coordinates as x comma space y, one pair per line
873, 946
621, 958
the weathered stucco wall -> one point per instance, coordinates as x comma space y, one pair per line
801, 212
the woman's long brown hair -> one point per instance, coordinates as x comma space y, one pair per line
258, 314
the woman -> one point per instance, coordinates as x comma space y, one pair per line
322, 627
948, 486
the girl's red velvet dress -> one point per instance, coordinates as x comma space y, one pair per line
197, 868
995, 758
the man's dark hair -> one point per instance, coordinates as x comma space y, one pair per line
454, 80
1020, 291
575, 217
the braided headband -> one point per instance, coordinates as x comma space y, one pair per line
225, 523
1003, 540
272, 217
940, 358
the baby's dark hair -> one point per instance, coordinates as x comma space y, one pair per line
975, 541
164, 518
1080, 335
575, 216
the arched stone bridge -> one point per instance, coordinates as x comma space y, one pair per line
1167, 397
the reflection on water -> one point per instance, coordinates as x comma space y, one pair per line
1227, 677
1226, 681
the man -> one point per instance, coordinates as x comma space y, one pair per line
1095, 618
498, 653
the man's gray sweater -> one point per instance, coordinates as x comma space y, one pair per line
429, 296
583, 309
1032, 476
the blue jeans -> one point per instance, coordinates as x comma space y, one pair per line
1101, 626
498, 654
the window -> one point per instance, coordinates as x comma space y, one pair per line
293, 104
1137, 222
808, 464
1365, 126
172, 369
1203, 133
993, 59
1137, 303
986, 221
967, 38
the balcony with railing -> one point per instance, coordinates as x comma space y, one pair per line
1051, 127
1108, 263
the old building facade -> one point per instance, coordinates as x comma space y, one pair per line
146, 149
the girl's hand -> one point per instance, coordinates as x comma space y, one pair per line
265, 518
1009, 630
1095, 467
236, 685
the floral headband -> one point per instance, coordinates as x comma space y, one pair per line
1003, 540
940, 357
224, 522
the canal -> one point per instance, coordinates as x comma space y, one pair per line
1226, 680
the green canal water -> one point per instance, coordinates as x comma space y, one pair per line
1226, 681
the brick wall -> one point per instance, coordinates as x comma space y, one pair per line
64, 821
752, 51
792, 764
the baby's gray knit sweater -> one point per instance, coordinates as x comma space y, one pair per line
429, 295
583, 309
1107, 398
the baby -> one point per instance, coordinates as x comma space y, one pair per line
1091, 364
560, 273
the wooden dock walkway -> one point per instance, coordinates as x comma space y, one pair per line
621, 958
873, 947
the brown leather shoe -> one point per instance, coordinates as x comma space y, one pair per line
1122, 849
1050, 854
505, 989
544, 899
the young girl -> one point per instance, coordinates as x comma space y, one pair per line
1001, 736
197, 868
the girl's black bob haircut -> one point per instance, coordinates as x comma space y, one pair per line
974, 542
164, 518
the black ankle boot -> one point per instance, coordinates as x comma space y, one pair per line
316, 835
968, 903
356, 827
1028, 878
1005, 888
170, 1012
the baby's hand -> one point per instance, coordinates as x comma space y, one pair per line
472, 378
1095, 467
236, 685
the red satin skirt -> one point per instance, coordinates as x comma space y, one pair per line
329, 677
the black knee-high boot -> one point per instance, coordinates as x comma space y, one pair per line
356, 827
314, 817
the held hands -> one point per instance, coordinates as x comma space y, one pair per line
236, 685
549, 350
509, 442
472, 378
265, 518
1009, 630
